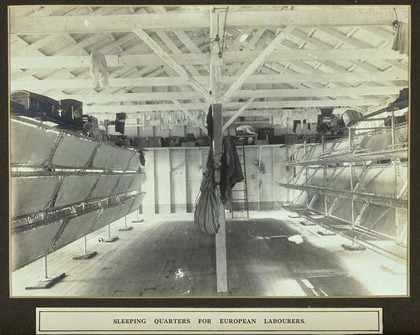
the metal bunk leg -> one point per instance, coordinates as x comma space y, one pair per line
48, 281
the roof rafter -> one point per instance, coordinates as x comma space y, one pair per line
257, 62
175, 66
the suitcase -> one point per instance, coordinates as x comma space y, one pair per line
37, 104
265, 133
120, 122
72, 111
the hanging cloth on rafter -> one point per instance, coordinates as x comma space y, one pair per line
401, 43
98, 69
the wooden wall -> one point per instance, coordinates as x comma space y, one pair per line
174, 175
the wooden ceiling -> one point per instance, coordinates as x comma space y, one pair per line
250, 58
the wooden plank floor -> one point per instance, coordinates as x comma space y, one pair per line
167, 255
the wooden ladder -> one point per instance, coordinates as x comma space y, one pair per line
244, 190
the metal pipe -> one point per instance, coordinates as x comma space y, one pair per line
368, 198
352, 189
45, 266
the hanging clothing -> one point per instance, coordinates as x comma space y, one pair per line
401, 42
230, 171
98, 69
311, 114
296, 122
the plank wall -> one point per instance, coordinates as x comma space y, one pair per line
174, 175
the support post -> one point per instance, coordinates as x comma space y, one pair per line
352, 190
325, 177
47, 282
221, 259
394, 162
125, 228
306, 173
86, 254
138, 219
351, 130
109, 239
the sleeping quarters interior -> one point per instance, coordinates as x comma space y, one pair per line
199, 151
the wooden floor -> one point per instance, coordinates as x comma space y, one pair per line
167, 255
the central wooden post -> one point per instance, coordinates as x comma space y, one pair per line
221, 263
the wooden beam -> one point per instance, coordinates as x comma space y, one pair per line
125, 97
174, 49
320, 44
274, 93
232, 107
181, 106
319, 16
184, 38
256, 37
192, 118
221, 257
175, 66
257, 62
344, 38
215, 58
356, 77
46, 62
34, 47
239, 112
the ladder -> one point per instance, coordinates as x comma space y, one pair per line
241, 188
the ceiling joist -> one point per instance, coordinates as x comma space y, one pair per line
236, 105
349, 77
383, 15
58, 61
261, 93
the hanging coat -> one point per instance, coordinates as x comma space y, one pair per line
230, 171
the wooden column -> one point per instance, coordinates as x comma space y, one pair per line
221, 263
215, 88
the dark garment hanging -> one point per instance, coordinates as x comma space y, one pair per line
142, 157
230, 171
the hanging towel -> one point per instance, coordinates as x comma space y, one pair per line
312, 115
401, 38
98, 69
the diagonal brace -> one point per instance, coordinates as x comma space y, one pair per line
173, 64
